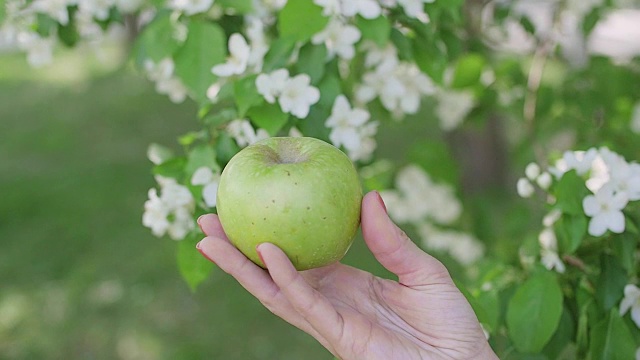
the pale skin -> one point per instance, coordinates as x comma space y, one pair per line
352, 313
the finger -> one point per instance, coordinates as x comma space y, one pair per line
253, 278
210, 226
314, 307
394, 250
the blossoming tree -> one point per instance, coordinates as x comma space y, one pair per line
492, 86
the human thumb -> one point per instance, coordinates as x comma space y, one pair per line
393, 248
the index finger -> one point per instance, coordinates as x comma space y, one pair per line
210, 226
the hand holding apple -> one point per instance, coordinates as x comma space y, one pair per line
301, 194
354, 314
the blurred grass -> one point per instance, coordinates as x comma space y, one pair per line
80, 278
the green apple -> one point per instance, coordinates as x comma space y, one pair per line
301, 194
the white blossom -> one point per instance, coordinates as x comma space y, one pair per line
580, 161
174, 88
298, 96
631, 301
158, 154
271, 86
339, 39
384, 58
171, 211
295, 132
466, 249
368, 9
524, 188
462, 247
418, 198
56, 9
344, 122
244, 134
551, 218
155, 214
625, 178
39, 49
544, 180
605, 210
191, 7
238, 57
166, 83
549, 250
181, 225
129, 6
414, 8
551, 260
453, 106
205, 177
532, 171
259, 45
98, 8
399, 87
330, 7
368, 143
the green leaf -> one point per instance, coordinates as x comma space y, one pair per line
157, 40
220, 118
377, 30
569, 193
204, 48
611, 339
490, 301
534, 311
590, 21
611, 282
300, 20
193, 267
173, 168
468, 70
199, 156
564, 335
246, 94
330, 88
528, 25
68, 34
311, 61
571, 230
624, 246
403, 45
226, 148
278, 55
269, 117
45, 24
434, 156
430, 58
191, 137
239, 6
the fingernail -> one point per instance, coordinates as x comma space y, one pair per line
260, 255
199, 248
381, 201
199, 219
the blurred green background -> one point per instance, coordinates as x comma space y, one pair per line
80, 277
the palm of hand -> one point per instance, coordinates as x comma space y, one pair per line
382, 319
